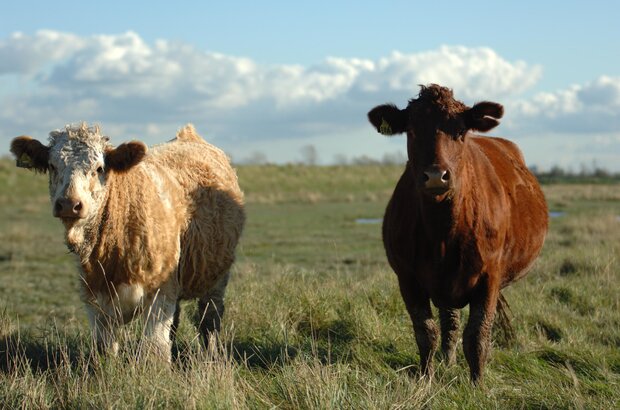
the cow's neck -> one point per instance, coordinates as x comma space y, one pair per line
437, 218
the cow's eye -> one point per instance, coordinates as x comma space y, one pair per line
100, 170
51, 168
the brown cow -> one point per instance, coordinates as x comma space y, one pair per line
466, 219
149, 228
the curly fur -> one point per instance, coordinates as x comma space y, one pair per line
154, 227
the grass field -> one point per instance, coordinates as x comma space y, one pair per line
314, 318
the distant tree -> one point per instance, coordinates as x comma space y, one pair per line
601, 173
309, 155
340, 159
394, 158
364, 160
586, 173
598, 171
256, 158
556, 171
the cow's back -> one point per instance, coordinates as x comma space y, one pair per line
214, 203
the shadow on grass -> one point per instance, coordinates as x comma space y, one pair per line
330, 342
252, 353
398, 360
337, 331
263, 354
39, 354
561, 359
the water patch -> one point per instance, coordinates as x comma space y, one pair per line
556, 214
368, 221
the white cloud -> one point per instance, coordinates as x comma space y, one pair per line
604, 93
141, 90
476, 73
593, 107
122, 79
22, 54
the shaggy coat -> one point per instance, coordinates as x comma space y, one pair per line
466, 219
149, 228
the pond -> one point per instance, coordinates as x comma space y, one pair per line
368, 221
556, 214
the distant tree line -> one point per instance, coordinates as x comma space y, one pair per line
556, 174
593, 174
310, 156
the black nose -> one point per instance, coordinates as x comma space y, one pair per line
436, 178
68, 208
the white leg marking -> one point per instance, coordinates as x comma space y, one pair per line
103, 327
158, 318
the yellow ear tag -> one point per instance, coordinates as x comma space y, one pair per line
24, 161
385, 128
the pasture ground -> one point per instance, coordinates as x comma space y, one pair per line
314, 318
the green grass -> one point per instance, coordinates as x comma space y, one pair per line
314, 317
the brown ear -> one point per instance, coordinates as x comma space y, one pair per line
30, 153
125, 156
483, 116
388, 119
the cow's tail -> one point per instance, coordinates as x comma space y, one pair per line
504, 333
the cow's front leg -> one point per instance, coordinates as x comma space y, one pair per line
159, 323
477, 334
426, 333
450, 320
103, 328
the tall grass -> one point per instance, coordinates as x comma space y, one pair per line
314, 318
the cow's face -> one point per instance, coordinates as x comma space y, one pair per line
78, 161
436, 125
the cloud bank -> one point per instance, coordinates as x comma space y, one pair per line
147, 91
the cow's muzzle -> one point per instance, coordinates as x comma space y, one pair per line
436, 181
69, 208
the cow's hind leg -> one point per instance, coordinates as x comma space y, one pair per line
173, 331
426, 333
477, 334
211, 309
175, 323
450, 320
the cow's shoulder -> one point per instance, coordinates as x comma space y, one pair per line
499, 149
505, 158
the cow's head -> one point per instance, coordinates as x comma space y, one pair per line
437, 129
79, 161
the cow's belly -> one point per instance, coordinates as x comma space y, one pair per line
448, 288
448, 296
121, 302
447, 281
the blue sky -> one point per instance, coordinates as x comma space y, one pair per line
273, 77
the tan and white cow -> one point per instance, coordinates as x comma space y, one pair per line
150, 227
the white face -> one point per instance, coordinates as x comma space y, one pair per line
77, 173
